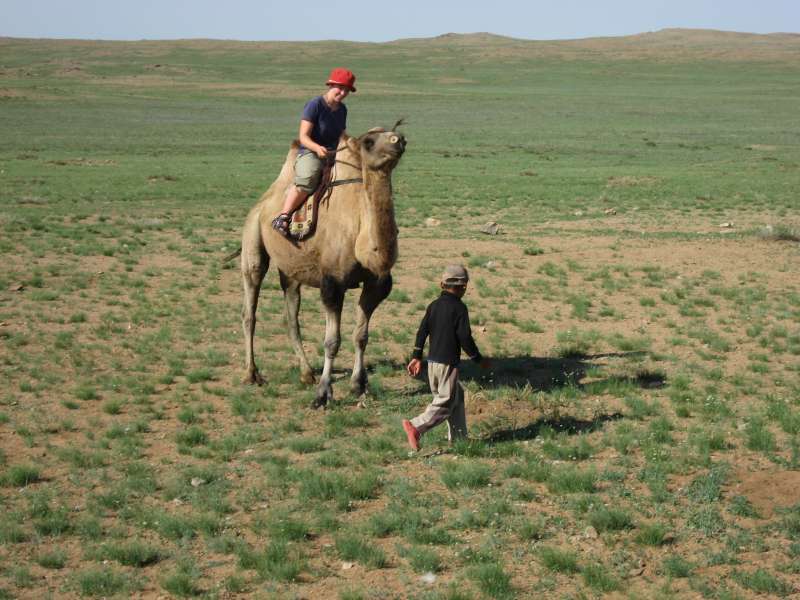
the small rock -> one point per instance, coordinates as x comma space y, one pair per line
636, 571
197, 482
347, 565
590, 533
428, 578
177, 501
490, 228
491, 264
431, 222
16, 287
578, 213
610, 211
726, 225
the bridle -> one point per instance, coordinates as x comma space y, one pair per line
336, 182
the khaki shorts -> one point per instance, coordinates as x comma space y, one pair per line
307, 171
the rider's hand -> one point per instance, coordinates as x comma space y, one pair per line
322, 152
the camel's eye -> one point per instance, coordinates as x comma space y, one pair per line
369, 143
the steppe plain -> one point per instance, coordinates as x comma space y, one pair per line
638, 435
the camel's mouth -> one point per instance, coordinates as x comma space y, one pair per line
399, 142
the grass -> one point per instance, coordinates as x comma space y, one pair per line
355, 549
559, 561
643, 380
21, 475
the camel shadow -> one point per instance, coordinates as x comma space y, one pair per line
564, 424
544, 374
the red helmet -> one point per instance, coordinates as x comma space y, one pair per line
342, 77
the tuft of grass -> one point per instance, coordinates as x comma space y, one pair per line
492, 580
423, 560
762, 581
306, 445
132, 554
652, 534
102, 582
21, 475
181, 583
610, 519
742, 507
598, 577
192, 436
781, 232
277, 562
759, 437
570, 480
559, 561
677, 566
354, 548
466, 475
11, 533
54, 559
200, 375
573, 343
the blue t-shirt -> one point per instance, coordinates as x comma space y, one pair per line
328, 124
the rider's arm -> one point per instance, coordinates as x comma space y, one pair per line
306, 127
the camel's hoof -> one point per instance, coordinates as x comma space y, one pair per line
323, 397
254, 378
307, 377
358, 386
358, 390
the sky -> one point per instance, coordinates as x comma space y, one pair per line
383, 20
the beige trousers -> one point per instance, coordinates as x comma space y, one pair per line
447, 403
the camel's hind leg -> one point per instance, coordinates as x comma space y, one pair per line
255, 262
291, 294
332, 298
373, 293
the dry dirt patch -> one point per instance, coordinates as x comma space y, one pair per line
768, 491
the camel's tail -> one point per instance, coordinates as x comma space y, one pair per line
232, 255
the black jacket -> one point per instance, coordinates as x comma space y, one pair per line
447, 323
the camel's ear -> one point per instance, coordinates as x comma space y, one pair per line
377, 130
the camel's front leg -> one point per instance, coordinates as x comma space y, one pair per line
291, 294
332, 298
373, 293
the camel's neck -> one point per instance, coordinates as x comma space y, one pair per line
376, 244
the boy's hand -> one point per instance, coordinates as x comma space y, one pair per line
414, 367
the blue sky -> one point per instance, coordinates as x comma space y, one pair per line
383, 20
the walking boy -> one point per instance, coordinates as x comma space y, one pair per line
447, 323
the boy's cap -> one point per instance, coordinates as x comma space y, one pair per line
455, 275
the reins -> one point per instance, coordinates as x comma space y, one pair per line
336, 182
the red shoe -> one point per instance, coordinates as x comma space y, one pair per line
412, 434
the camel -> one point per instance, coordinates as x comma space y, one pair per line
354, 244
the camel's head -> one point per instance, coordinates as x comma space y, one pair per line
380, 149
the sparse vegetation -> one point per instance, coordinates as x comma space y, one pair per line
636, 434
